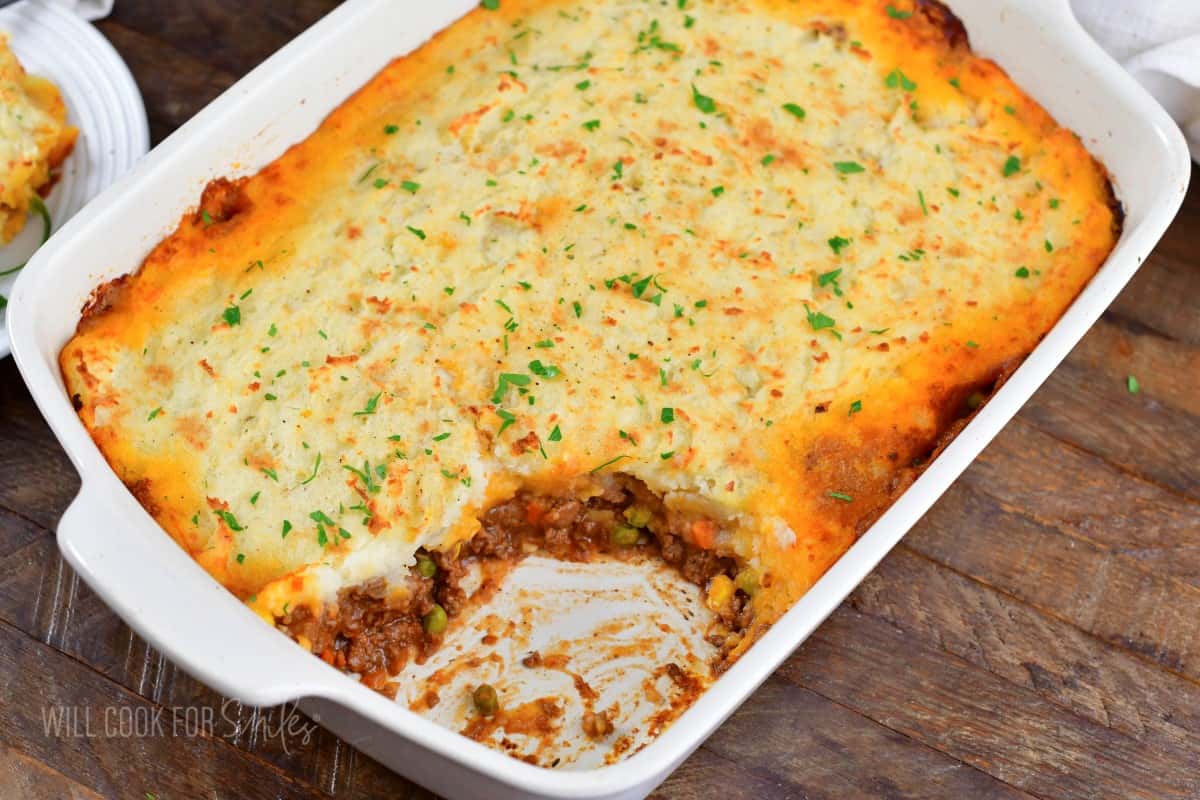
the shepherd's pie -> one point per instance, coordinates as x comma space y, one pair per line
708, 280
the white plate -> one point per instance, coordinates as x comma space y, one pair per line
102, 101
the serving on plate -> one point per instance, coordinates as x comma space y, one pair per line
102, 104
248, 661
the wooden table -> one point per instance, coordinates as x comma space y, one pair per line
1036, 635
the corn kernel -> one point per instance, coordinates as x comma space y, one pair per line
720, 592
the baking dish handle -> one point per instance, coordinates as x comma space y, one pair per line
153, 585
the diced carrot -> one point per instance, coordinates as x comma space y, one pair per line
534, 512
703, 533
327, 655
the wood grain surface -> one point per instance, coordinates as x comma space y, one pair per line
1037, 635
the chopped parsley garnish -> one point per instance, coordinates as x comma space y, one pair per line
818, 320
592, 124
369, 408
831, 277
1132, 385
508, 417
638, 288
490, 5
1012, 166
391, 129
381, 182
229, 519
410, 186
241, 557
845, 498
921, 197
370, 170
608, 463
1049, 247
365, 475
795, 110
441, 437
896, 13
555, 435
650, 40
232, 316
717, 191
837, 244
204, 215
848, 167
322, 518
154, 413
270, 473
618, 171
578, 309
544, 343
254, 498
316, 467
271, 331
667, 455
582, 85
897, 80
544, 370
667, 415
287, 528
703, 102
855, 407
1054, 202
506, 380
420, 234
1022, 272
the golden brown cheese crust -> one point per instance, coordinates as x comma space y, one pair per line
34, 139
755, 253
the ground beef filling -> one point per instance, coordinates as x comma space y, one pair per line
370, 632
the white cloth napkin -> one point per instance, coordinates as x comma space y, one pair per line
1158, 41
88, 9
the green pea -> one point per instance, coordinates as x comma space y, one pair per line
486, 701
435, 621
625, 536
425, 567
747, 581
637, 516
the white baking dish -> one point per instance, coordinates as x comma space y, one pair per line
122, 554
